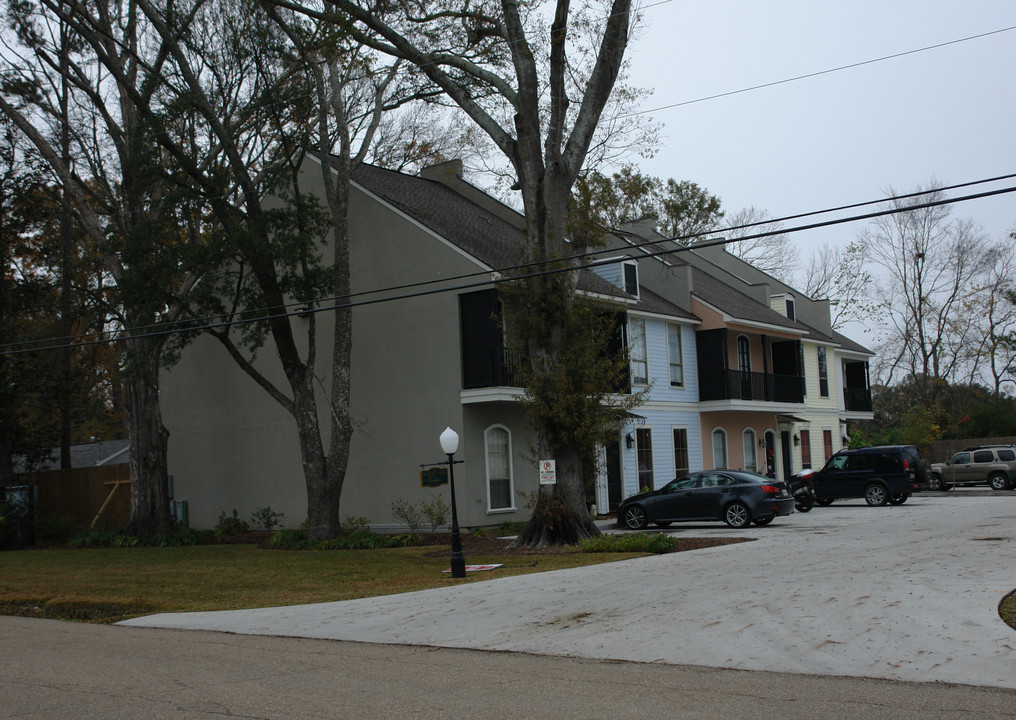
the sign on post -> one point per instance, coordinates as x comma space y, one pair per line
433, 477
548, 472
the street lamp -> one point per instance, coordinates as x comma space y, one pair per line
450, 444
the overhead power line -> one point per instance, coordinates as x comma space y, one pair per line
820, 72
484, 279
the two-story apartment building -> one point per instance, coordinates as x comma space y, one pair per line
729, 373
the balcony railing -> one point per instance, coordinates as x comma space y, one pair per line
763, 387
857, 399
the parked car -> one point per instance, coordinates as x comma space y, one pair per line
738, 498
994, 465
886, 473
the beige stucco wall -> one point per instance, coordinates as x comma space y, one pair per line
232, 446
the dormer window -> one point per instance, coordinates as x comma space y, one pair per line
791, 310
631, 278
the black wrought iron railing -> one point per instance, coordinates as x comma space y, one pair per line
857, 399
765, 387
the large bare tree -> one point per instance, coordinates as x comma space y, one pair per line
931, 269
100, 149
511, 67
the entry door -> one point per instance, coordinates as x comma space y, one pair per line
614, 485
770, 454
785, 455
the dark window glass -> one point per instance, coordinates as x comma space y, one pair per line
1006, 455
887, 462
983, 456
681, 461
859, 462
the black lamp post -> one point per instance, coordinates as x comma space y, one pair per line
450, 443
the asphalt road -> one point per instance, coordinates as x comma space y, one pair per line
70, 671
871, 612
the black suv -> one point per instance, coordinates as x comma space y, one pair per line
887, 473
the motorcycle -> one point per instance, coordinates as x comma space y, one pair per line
803, 490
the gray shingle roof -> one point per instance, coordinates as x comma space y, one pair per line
736, 304
490, 239
479, 232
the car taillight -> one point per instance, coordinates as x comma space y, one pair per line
906, 465
771, 490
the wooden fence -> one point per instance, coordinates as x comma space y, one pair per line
80, 493
945, 449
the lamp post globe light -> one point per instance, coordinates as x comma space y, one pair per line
450, 444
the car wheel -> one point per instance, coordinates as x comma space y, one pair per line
764, 521
998, 481
803, 505
825, 501
737, 515
898, 498
935, 482
635, 517
876, 495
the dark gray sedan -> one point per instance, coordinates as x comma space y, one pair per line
738, 498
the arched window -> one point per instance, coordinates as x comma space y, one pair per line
743, 354
497, 440
748, 445
719, 449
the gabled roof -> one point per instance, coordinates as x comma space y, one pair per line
479, 232
490, 239
90, 454
849, 345
736, 304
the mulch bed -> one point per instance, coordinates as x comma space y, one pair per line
473, 545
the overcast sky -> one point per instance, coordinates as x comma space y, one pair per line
843, 137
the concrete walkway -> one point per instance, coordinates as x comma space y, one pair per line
906, 593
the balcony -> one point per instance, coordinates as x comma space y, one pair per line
857, 400
754, 386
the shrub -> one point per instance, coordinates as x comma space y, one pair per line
636, 542
230, 526
407, 512
436, 512
266, 518
353, 524
357, 540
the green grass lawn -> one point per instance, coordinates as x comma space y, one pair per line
111, 584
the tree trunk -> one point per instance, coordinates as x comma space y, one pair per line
150, 516
561, 516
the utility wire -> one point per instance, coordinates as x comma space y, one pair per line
217, 320
819, 72
486, 281
304, 305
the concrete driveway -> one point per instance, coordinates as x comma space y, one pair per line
908, 592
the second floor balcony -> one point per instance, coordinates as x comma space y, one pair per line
754, 386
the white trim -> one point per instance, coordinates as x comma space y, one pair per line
726, 447
670, 359
742, 322
511, 469
491, 394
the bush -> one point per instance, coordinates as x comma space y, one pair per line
353, 524
636, 542
357, 540
436, 512
230, 526
406, 512
266, 518
96, 538
58, 530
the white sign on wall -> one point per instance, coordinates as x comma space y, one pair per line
548, 472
